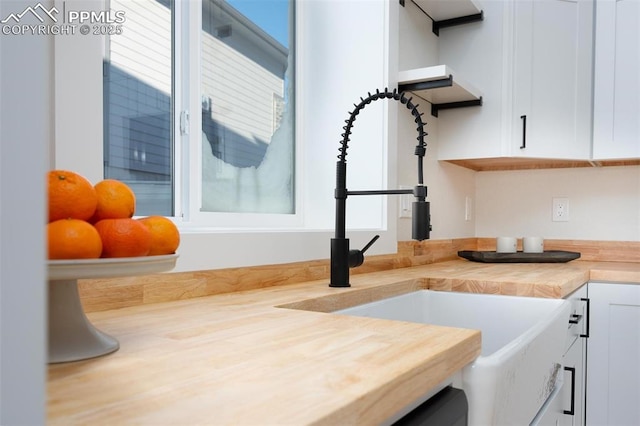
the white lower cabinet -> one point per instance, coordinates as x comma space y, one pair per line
613, 359
573, 391
568, 407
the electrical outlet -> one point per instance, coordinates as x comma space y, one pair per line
560, 212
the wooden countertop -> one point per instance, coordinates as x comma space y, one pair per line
273, 356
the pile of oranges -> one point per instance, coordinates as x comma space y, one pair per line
91, 221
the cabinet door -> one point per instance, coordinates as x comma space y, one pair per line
573, 389
529, 58
557, 411
613, 355
574, 361
477, 52
616, 121
552, 78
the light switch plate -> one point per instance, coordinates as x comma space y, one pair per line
405, 203
468, 207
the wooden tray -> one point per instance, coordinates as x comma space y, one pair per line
550, 256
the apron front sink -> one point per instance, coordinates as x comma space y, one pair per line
522, 345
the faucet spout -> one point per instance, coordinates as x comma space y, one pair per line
342, 257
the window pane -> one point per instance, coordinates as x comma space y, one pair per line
247, 106
138, 133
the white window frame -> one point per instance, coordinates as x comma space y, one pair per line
188, 207
324, 96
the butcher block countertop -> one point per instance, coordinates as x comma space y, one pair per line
275, 356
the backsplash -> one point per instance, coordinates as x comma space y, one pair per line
599, 251
106, 294
604, 203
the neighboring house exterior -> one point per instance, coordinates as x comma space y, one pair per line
242, 88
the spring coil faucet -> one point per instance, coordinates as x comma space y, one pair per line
342, 258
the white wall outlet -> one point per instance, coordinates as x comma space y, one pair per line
560, 210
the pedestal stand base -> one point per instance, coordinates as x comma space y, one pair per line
71, 336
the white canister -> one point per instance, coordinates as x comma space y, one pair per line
533, 244
506, 244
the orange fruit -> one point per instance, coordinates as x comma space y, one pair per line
73, 239
70, 195
124, 237
116, 200
165, 237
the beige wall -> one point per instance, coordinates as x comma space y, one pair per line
604, 203
447, 185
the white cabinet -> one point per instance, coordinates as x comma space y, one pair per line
532, 60
476, 50
552, 78
616, 127
568, 407
613, 357
575, 361
573, 391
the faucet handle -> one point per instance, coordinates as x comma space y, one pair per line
370, 243
356, 257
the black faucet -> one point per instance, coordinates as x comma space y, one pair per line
342, 258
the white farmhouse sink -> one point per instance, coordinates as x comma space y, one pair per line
522, 345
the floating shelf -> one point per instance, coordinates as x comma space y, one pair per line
448, 13
439, 86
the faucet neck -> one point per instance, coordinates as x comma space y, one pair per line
420, 149
341, 199
341, 256
339, 262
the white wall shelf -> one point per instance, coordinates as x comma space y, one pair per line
448, 13
439, 86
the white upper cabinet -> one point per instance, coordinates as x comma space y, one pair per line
616, 129
552, 79
476, 50
532, 61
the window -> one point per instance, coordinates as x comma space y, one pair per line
341, 53
138, 105
247, 114
247, 103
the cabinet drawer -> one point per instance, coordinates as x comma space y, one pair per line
578, 318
